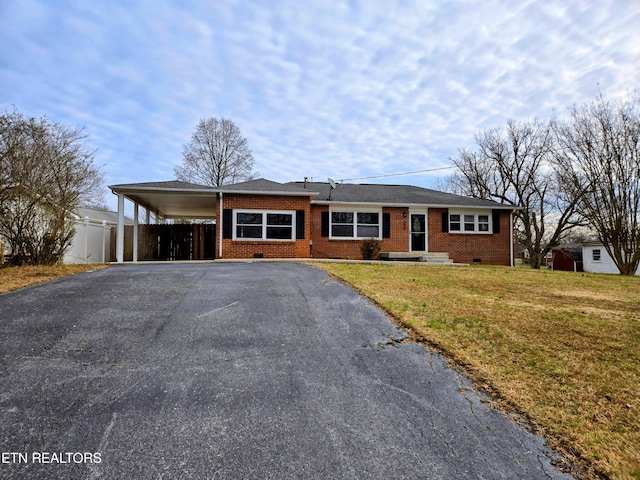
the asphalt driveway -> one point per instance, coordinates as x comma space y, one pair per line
235, 370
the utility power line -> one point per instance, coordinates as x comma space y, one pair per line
398, 174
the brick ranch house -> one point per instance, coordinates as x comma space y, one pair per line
266, 219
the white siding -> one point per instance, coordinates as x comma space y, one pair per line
604, 265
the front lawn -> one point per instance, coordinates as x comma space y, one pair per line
12, 278
561, 348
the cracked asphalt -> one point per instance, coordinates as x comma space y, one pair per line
236, 370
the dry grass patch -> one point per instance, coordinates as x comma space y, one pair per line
13, 278
560, 347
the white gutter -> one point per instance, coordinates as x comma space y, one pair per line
178, 191
420, 205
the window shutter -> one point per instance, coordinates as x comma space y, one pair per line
324, 224
445, 221
495, 216
386, 225
227, 223
300, 224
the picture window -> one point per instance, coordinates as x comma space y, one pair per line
264, 225
355, 225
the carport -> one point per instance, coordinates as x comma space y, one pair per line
168, 200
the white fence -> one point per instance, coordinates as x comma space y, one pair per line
91, 243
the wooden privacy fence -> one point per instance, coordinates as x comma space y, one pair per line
168, 242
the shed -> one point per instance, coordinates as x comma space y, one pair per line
597, 260
567, 258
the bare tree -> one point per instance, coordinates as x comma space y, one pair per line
20, 179
512, 166
217, 155
600, 159
47, 172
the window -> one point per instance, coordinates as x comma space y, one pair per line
454, 223
355, 224
264, 225
483, 223
469, 222
249, 225
368, 225
280, 226
596, 255
342, 224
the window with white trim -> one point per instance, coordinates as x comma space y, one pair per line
354, 224
263, 225
596, 255
469, 222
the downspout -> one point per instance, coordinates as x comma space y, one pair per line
511, 238
219, 222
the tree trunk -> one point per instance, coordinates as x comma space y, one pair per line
535, 260
628, 268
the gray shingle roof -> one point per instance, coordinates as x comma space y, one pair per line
264, 186
393, 195
167, 185
378, 194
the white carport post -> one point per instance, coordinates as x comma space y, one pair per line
86, 240
135, 232
219, 227
120, 232
104, 241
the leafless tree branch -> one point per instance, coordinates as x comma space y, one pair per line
216, 155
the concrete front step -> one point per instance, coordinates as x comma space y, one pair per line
430, 257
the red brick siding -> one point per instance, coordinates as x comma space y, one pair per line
462, 248
399, 239
268, 249
323, 247
493, 249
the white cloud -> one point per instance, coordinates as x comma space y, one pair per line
342, 89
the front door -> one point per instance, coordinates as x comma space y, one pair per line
418, 232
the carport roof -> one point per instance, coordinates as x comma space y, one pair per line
176, 199
172, 199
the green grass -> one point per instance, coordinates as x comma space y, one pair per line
562, 348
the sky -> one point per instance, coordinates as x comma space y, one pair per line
347, 89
